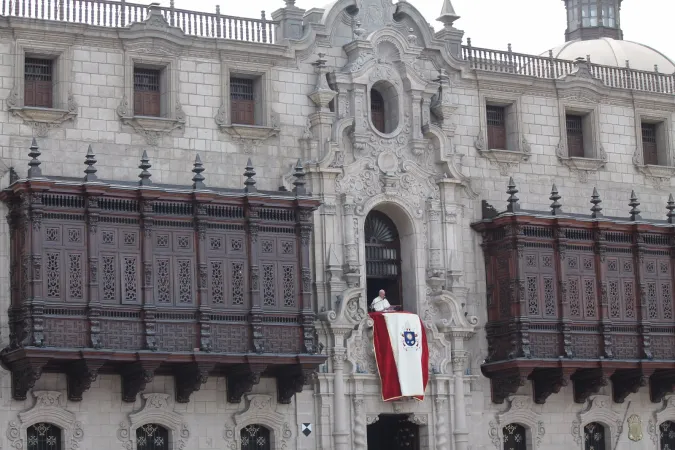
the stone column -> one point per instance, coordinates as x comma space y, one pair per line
340, 432
436, 241
360, 430
352, 272
442, 433
461, 433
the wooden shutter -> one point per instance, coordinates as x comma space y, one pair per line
242, 100
147, 96
575, 136
649, 147
377, 110
38, 83
496, 125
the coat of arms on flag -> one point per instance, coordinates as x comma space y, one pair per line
401, 353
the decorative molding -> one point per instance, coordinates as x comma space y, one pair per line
599, 410
47, 409
247, 136
151, 128
41, 120
659, 176
157, 410
635, 428
506, 160
520, 411
261, 410
581, 166
666, 413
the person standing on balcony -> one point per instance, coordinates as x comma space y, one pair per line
380, 303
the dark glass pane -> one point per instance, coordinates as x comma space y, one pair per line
44, 436
594, 436
255, 437
152, 437
514, 437
649, 146
496, 123
242, 101
575, 136
667, 435
38, 82
377, 110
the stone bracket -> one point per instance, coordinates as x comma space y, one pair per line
134, 378
241, 379
189, 378
290, 381
153, 128
582, 166
248, 136
80, 375
625, 382
588, 382
25, 373
659, 176
662, 383
548, 381
44, 119
507, 383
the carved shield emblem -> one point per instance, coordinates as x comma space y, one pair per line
634, 428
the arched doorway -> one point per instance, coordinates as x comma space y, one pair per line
383, 257
393, 432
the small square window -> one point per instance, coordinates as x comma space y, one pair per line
650, 146
496, 127
575, 136
147, 92
243, 101
38, 82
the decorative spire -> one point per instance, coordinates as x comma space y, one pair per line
249, 173
89, 161
607, 24
144, 175
670, 207
596, 208
513, 205
299, 182
634, 203
34, 170
198, 178
556, 207
448, 15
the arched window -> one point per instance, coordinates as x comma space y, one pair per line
152, 437
377, 110
255, 437
384, 107
594, 436
667, 435
515, 437
383, 257
44, 436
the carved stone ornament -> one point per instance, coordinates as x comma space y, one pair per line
248, 137
41, 120
47, 409
157, 410
506, 160
581, 166
659, 176
634, 428
599, 410
665, 414
261, 410
151, 128
360, 351
521, 411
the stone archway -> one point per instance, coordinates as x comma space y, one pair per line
393, 432
383, 257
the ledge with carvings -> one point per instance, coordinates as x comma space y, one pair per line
139, 279
579, 299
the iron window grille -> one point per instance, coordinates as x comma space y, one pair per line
575, 136
152, 437
242, 98
649, 145
147, 97
496, 124
38, 82
44, 436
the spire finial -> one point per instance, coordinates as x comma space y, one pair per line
198, 178
448, 15
299, 182
634, 203
513, 205
556, 207
90, 171
670, 207
34, 170
249, 173
144, 175
596, 208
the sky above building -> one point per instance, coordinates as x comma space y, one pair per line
531, 26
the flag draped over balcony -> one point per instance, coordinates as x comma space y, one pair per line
402, 354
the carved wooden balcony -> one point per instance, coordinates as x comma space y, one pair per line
140, 279
578, 298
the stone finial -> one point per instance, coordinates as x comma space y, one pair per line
556, 207
289, 3
90, 161
513, 205
249, 173
198, 178
299, 182
144, 175
634, 203
448, 15
596, 208
34, 164
670, 207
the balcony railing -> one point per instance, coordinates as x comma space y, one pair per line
121, 14
552, 68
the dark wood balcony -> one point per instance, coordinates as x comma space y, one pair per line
585, 299
139, 279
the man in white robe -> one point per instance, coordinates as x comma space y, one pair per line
381, 304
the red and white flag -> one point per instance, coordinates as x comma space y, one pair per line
402, 354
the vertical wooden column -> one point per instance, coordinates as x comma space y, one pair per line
304, 231
645, 325
147, 235
600, 246
256, 312
92, 212
33, 267
517, 287
203, 302
560, 246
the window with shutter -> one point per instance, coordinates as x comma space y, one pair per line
496, 125
146, 92
649, 147
377, 110
38, 83
242, 100
575, 136
594, 436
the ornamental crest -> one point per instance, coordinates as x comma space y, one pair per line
634, 428
410, 339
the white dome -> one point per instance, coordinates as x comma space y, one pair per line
611, 52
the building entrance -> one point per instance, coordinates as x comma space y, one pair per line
393, 432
